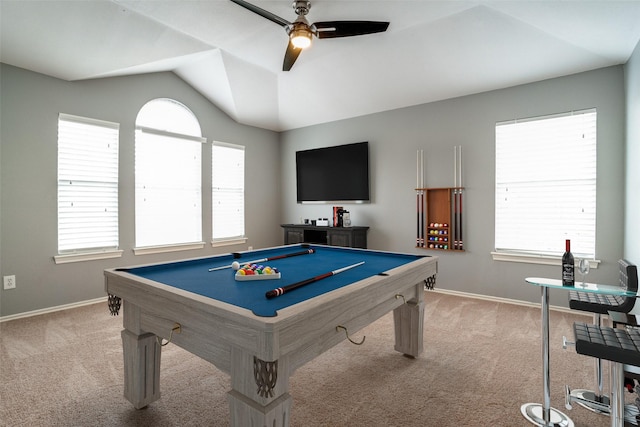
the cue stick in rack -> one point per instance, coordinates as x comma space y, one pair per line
460, 190
460, 244
458, 239
279, 291
457, 150
455, 197
420, 219
453, 237
418, 198
422, 213
308, 251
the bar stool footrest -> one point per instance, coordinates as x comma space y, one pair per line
588, 400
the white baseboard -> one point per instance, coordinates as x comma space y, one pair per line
509, 301
52, 309
443, 291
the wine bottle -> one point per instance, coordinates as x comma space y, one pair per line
567, 266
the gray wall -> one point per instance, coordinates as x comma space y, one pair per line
632, 222
470, 121
30, 104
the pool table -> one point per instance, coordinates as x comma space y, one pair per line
261, 341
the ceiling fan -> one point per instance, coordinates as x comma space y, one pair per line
300, 31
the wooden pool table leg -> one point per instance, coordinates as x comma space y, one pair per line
259, 405
141, 353
408, 322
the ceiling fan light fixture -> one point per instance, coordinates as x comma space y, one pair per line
301, 37
300, 32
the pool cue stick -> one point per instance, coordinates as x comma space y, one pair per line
418, 218
421, 210
308, 251
279, 291
452, 228
454, 220
460, 243
418, 198
458, 234
422, 219
422, 213
455, 197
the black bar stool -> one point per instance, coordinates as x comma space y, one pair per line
600, 305
621, 347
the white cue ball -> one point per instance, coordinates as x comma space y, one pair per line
235, 265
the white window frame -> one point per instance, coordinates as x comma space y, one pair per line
227, 194
88, 226
173, 180
546, 188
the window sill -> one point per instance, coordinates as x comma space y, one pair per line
87, 256
148, 250
536, 259
230, 242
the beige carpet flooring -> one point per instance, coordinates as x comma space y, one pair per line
482, 360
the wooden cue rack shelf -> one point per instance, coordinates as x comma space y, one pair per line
439, 222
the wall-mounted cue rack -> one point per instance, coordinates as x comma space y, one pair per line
440, 218
439, 210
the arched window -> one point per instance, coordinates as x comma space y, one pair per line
167, 115
168, 176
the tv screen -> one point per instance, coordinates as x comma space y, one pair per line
333, 174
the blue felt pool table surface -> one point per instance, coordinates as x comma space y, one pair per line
194, 275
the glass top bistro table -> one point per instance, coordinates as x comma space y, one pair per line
543, 414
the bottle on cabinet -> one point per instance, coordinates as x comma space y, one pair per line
567, 266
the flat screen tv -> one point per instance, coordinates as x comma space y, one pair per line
333, 174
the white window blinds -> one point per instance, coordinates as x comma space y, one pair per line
168, 196
87, 184
546, 184
227, 191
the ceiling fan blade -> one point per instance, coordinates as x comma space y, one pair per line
290, 56
264, 13
332, 29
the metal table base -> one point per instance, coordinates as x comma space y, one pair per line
533, 412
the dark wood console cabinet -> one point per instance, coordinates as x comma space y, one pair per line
351, 237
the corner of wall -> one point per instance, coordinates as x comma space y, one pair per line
632, 147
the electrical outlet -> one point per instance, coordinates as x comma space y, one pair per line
9, 282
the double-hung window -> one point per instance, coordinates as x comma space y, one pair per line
227, 193
168, 178
87, 188
546, 185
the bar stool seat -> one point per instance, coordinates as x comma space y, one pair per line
620, 347
598, 303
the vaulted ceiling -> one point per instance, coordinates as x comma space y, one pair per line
432, 50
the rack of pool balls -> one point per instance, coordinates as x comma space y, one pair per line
438, 236
256, 272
